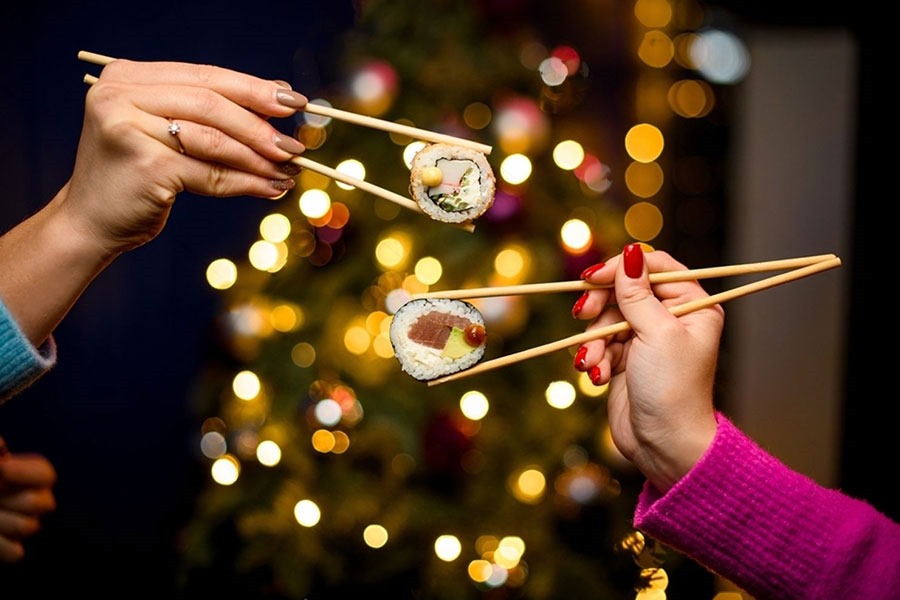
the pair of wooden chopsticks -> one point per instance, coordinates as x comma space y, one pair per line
803, 267
350, 117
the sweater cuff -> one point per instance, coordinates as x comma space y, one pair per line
738, 509
21, 363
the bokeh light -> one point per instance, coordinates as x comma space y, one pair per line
474, 405
352, 168
560, 394
307, 513
428, 270
656, 49
447, 547
529, 485
221, 274
576, 236
268, 453
375, 536
568, 155
720, 56
225, 470
644, 142
643, 221
644, 179
314, 203
515, 168
275, 228
246, 385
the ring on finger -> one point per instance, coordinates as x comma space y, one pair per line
174, 129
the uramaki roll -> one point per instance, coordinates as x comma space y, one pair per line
451, 183
433, 337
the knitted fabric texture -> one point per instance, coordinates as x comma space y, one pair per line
21, 364
775, 533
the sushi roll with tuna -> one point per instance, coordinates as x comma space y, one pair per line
451, 183
433, 337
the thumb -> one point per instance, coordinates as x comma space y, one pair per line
635, 298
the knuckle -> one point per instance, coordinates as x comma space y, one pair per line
215, 142
218, 180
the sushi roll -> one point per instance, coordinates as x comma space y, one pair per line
451, 183
433, 337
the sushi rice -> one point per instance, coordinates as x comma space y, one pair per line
467, 190
423, 362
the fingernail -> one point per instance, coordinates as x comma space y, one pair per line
283, 185
289, 168
591, 270
580, 357
284, 84
633, 255
594, 374
289, 144
579, 304
290, 98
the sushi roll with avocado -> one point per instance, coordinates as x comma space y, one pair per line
433, 337
451, 183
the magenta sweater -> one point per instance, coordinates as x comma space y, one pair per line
771, 531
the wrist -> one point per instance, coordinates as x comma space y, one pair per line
667, 459
47, 263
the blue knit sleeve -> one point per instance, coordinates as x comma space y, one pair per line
21, 364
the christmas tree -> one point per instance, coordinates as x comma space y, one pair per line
335, 473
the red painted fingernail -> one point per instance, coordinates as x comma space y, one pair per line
579, 304
633, 255
594, 374
591, 270
580, 357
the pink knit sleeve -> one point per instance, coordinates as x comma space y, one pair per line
770, 530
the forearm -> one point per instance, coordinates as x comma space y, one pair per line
46, 263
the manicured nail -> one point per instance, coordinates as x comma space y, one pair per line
290, 98
289, 144
283, 185
579, 304
580, 357
633, 255
594, 374
284, 84
289, 168
591, 270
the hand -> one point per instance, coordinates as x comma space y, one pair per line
129, 167
661, 373
26, 482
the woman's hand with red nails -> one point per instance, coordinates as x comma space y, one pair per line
661, 373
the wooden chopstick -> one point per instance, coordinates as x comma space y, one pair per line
312, 165
350, 117
390, 126
660, 277
679, 310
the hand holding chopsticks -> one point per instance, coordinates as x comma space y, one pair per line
812, 265
363, 120
349, 117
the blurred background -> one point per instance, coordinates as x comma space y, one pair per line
249, 321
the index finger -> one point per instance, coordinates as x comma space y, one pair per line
254, 93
